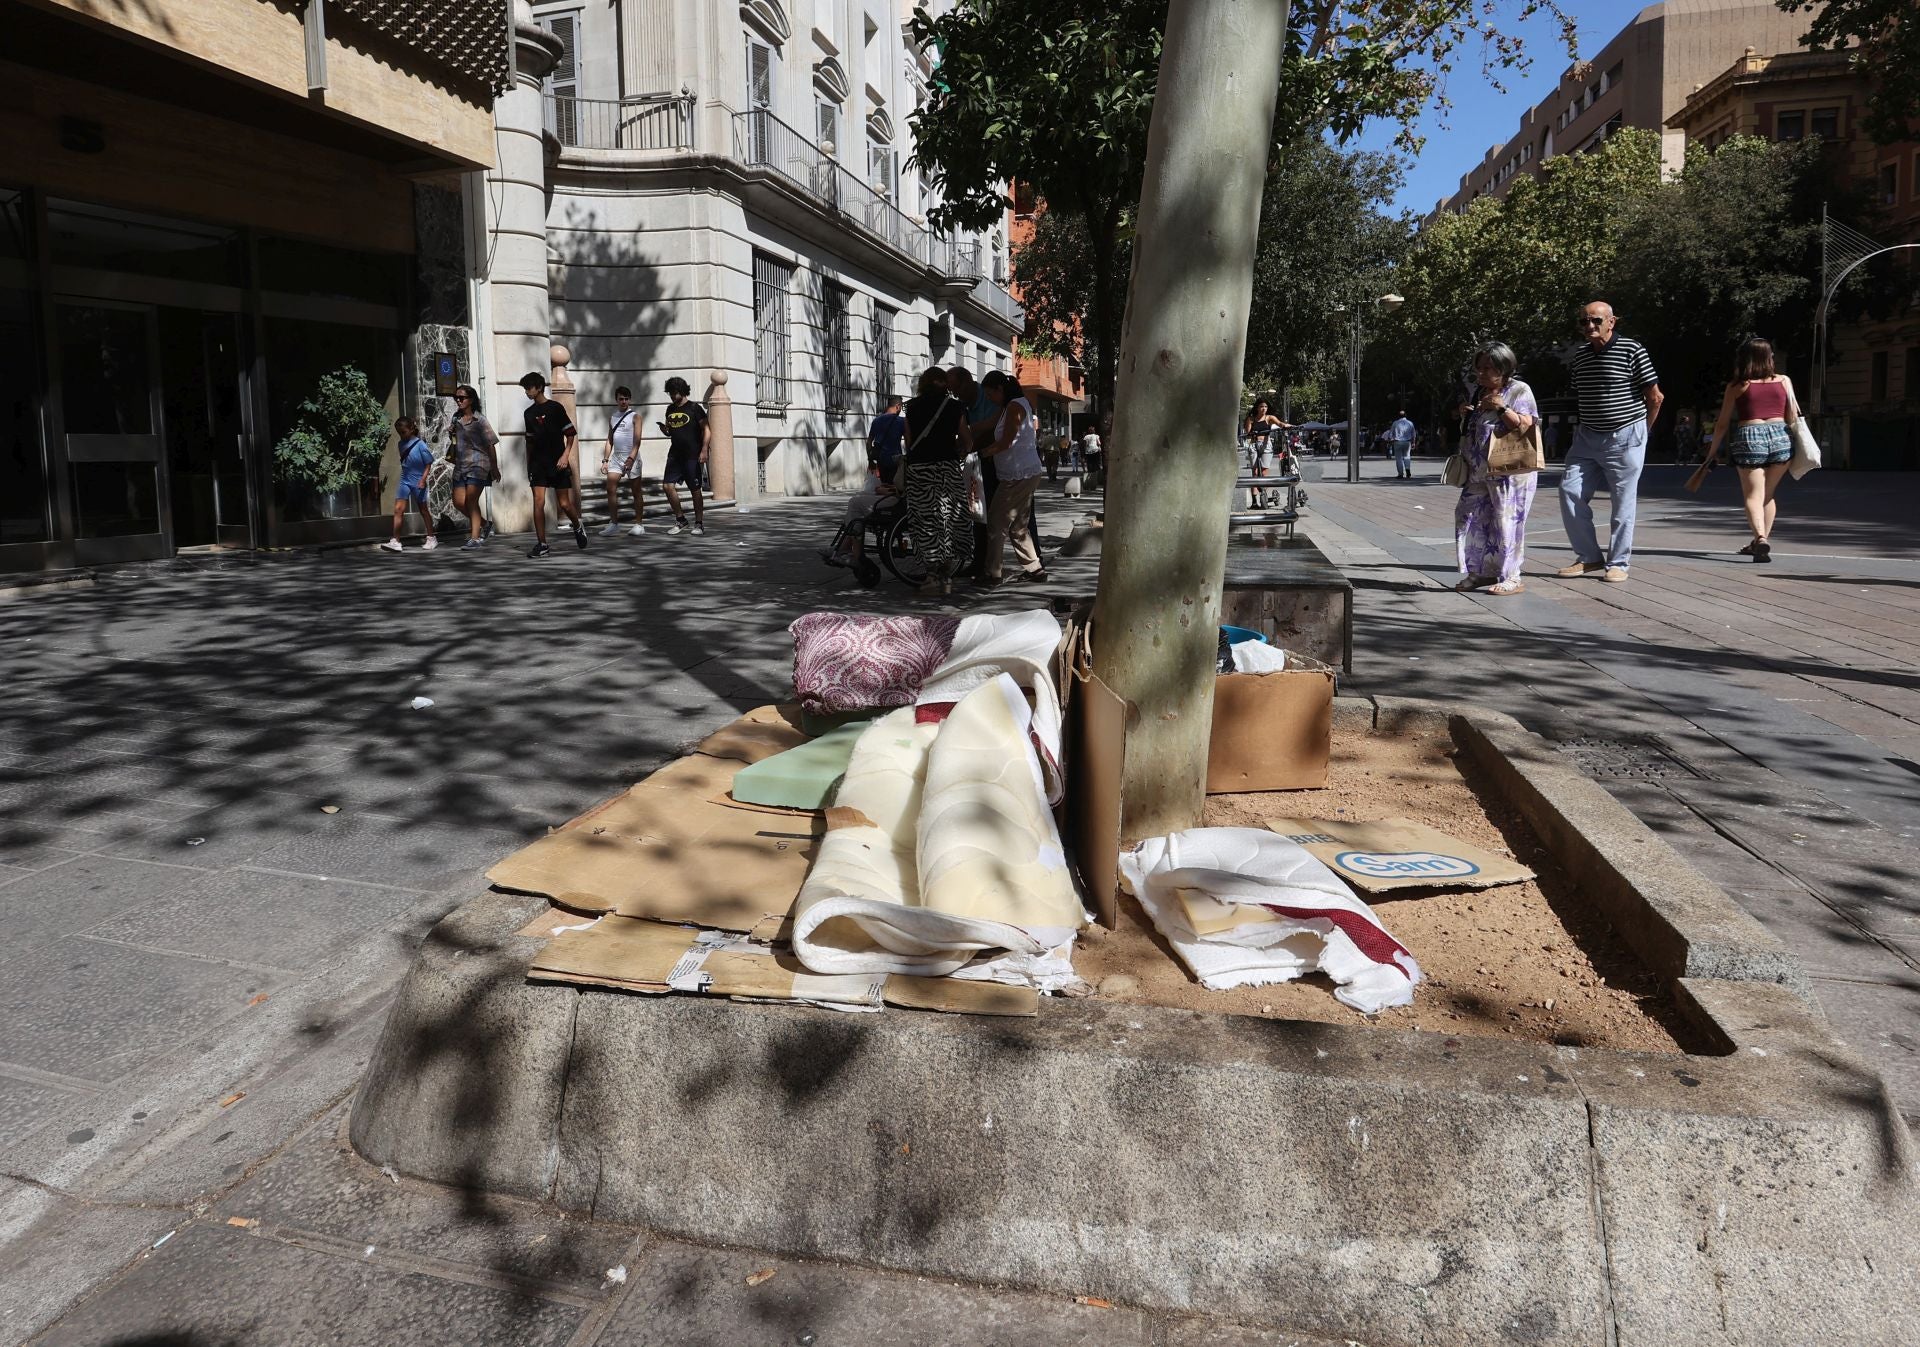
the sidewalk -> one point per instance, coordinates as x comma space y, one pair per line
1764, 719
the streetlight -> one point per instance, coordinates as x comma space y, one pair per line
1387, 304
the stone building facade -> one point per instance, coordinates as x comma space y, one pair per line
727, 197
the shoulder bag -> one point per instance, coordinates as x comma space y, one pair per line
1455, 472
1806, 449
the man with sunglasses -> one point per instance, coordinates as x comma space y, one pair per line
1619, 396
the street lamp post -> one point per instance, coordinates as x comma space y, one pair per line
1387, 303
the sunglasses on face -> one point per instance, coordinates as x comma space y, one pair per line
1594, 322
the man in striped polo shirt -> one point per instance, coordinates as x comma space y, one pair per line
1619, 396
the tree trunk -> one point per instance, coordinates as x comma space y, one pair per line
1182, 347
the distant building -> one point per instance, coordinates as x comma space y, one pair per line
1055, 386
1640, 78
1873, 370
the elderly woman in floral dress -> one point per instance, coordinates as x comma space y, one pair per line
1490, 518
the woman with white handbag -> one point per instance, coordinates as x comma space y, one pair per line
1753, 430
1500, 452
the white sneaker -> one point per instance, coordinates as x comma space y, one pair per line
637, 531
610, 531
392, 545
431, 543
677, 529
699, 530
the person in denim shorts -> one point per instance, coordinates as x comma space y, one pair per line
1752, 431
476, 464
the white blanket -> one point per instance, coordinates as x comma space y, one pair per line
1244, 907
1019, 644
939, 846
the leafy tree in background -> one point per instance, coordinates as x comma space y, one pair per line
338, 436
1518, 268
1058, 95
1726, 251
1325, 237
1055, 273
1886, 37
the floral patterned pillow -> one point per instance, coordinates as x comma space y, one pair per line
851, 662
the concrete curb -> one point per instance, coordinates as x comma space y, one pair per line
1397, 1187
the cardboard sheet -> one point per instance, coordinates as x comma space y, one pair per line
1097, 737
670, 851
617, 952
1271, 731
960, 998
1398, 853
760, 733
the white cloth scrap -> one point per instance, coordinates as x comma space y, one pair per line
1244, 907
1256, 657
1017, 644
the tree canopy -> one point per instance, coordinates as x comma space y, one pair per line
1058, 95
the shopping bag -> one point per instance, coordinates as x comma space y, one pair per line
1512, 454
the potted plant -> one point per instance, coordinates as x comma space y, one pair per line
339, 433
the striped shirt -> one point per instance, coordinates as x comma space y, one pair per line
1609, 381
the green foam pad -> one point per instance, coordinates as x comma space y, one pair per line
800, 778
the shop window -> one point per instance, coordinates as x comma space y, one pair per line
298, 352
1877, 378
106, 372
104, 239
297, 267
23, 463
1824, 123
772, 284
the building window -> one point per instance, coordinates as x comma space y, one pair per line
1889, 184
1614, 72
563, 85
1877, 378
881, 340
1910, 387
1790, 126
837, 306
1825, 123
772, 284
826, 125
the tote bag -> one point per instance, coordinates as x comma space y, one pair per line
1806, 449
1521, 451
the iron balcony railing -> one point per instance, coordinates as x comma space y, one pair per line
991, 295
652, 122
964, 258
764, 141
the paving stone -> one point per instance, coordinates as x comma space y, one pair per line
1824, 940
92, 1010
1208, 1333
219, 1285
683, 1296
389, 851
24, 1104
78, 895
35, 846
54, 1249
256, 916
1882, 1022
321, 1185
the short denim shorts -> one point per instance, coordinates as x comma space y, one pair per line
1759, 443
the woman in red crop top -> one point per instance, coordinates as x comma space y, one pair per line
1752, 430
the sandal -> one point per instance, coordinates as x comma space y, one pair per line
1508, 587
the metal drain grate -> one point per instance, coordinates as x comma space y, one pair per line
1628, 759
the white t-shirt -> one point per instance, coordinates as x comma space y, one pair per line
1021, 459
1091, 443
624, 424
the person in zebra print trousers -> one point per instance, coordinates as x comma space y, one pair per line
936, 481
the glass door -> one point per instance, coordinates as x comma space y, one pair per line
200, 398
110, 405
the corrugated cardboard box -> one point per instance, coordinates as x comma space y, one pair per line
1271, 731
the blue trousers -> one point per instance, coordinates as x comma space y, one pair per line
1614, 458
1403, 455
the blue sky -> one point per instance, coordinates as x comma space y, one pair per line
1481, 116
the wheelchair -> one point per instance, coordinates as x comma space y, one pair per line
886, 540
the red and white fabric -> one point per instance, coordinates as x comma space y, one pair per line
1244, 907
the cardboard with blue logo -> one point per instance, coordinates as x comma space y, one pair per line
1398, 853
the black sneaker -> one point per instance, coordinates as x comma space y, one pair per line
541, 550
580, 537
1034, 577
